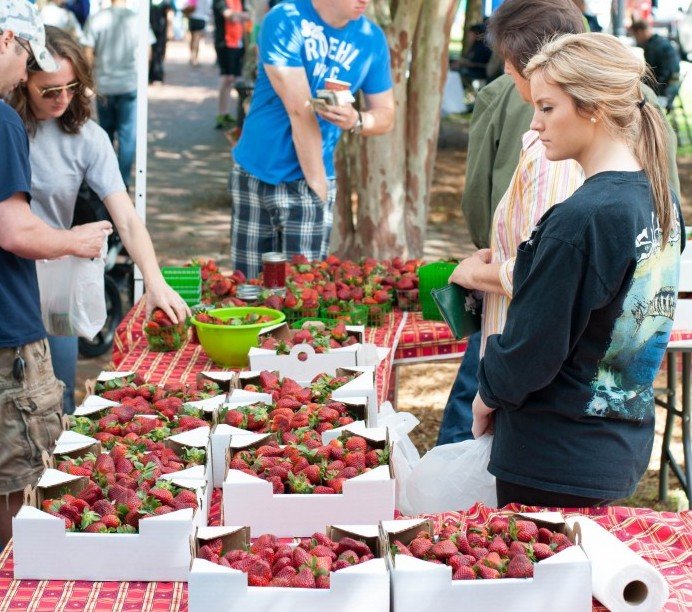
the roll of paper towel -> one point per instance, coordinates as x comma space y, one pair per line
621, 580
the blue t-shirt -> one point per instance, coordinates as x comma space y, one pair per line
293, 35
20, 307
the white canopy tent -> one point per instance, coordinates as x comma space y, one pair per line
143, 47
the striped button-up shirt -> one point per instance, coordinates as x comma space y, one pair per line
537, 185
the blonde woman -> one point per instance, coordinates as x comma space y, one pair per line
567, 386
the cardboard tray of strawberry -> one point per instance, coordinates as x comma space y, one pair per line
510, 563
284, 408
303, 354
72, 528
339, 569
291, 490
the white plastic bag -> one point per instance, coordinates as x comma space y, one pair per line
452, 477
73, 302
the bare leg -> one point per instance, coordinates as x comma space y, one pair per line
195, 38
9, 506
225, 86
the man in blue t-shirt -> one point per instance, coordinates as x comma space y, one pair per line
30, 396
282, 184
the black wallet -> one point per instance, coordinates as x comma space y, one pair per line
460, 308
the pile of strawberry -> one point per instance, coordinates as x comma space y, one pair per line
285, 417
162, 334
506, 547
116, 508
333, 283
133, 419
320, 389
138, 403
320, 470
320, 339
251, 318
270, 562
139, 461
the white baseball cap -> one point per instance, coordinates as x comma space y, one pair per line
21, 17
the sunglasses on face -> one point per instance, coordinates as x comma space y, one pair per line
31, 62
53, 93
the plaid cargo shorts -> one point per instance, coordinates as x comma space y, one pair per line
288, 217
30, 415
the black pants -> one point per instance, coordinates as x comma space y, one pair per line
158, 20
508, 492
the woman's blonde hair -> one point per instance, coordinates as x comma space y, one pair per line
604, 79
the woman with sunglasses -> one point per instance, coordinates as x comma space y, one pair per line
67, 147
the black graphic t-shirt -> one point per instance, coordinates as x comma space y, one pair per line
571, 375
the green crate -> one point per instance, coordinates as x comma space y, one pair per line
432, 276
186, 281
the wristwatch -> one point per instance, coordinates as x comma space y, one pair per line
358, 125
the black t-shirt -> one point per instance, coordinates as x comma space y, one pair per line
571, 375
20, 310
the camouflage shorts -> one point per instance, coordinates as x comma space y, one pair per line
30, 415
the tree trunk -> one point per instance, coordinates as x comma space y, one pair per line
384, 181
474, 14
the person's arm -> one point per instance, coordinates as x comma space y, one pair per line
138, 243
478, 272
291, 85
669, 65
378, 118
25, 235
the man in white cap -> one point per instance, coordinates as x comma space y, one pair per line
30, 395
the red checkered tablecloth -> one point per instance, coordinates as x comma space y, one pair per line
664, 539
131, 352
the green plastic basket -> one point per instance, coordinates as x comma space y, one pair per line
432, 276
186, 281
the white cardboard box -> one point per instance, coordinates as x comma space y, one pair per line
215, 588
249, 500
44, 550
221, 433
560, 583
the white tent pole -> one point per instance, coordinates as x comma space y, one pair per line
143, 48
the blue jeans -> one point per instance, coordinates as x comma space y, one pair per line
118, 116
63, 351
458, 418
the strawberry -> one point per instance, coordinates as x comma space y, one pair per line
322, 490
97, 527
259, 573
350, 557
516, 548
300, 557
104, 464
524, 531
544, 535
492, 559
356, 460
542, 551
460, 560
520, 566
464, 572
560, 541
398, 548
206, 552
487, 573
163, 495
103, 507
443, 549
304, 579
420, 547
111, 521
499, 546
356, 443
322, 581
